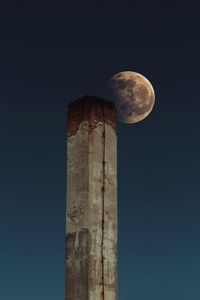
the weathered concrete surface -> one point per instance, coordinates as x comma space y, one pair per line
91, 260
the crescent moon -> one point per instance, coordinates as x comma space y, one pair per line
133, 94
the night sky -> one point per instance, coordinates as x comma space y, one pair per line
52, 53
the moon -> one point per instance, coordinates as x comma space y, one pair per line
133, 95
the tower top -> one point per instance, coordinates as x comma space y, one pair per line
90, 100
93, 110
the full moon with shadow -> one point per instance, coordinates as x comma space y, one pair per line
133, 95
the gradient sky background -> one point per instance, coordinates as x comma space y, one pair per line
52, 53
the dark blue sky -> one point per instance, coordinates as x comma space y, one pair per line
52, 53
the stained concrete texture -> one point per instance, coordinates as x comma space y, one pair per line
91, 225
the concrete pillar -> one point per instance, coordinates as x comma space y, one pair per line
91, 254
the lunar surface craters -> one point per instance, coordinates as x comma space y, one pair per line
133, 94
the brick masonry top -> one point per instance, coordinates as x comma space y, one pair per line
92, 109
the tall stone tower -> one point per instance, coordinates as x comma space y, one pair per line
91, 254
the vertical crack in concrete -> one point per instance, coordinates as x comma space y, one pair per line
103, 199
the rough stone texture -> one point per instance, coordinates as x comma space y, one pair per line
91, 260
88, 109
